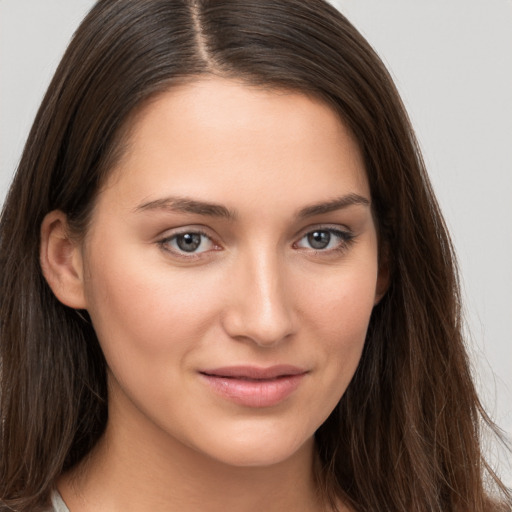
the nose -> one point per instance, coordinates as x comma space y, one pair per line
260, 305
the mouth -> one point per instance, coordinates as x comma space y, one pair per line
252, 386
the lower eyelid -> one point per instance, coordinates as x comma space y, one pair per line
344, 236
164, 243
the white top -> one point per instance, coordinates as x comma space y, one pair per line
58, 504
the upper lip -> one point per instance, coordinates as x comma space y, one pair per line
255, 372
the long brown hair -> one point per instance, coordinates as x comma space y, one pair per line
406, 434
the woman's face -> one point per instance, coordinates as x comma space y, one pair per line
230, 271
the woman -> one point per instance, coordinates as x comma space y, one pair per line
226, 283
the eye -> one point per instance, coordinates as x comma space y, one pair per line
188, 243
325, 240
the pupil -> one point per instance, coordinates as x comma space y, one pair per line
319, 239
188, 242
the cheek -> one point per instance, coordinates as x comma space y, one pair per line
142, 312
342, 303
339, 312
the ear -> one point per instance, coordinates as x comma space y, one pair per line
384, 274
61, 260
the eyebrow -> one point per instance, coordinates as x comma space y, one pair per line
187, 205
335, 204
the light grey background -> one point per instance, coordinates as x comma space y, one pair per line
452, 62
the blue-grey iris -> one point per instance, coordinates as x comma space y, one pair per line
188, 242
319, 239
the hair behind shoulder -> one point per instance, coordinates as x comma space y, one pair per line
406, 435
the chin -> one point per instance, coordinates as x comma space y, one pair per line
260, 450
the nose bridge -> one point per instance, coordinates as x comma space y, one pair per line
261, 306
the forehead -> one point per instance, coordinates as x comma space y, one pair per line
217, 136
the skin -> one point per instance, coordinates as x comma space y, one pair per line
255, 293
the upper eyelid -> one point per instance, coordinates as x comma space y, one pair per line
164, 244
205, 231
346, 237
337, 232
324, 227
173, 232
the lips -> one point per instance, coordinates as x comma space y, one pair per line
252, 386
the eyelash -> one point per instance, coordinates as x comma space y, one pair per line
346, 238
164, 244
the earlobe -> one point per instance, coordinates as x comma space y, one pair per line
382, 287
61, 260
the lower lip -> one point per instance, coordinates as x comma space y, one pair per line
254, 393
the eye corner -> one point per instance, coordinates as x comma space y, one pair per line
329, 239
188, 244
